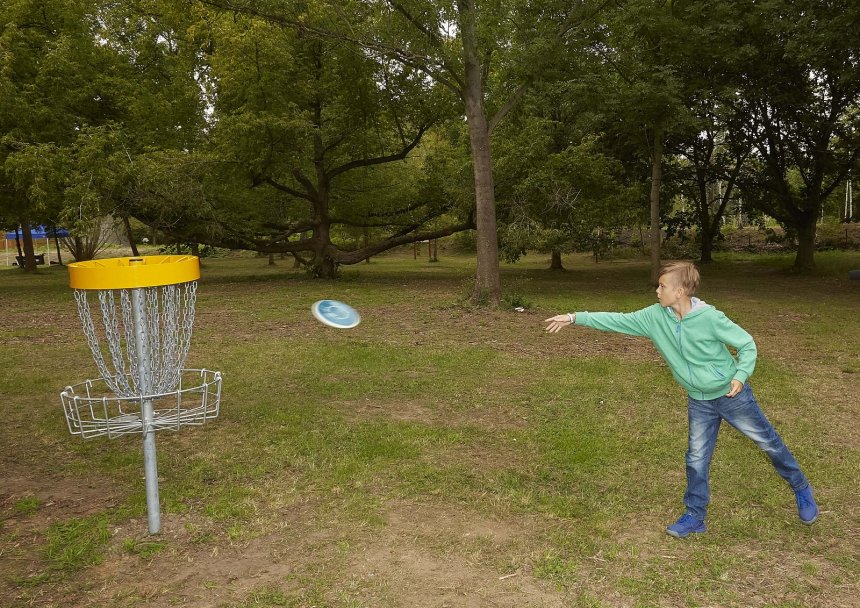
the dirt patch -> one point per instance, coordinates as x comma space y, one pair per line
202, 566
405, 410
423, 555
430, 555
198, 565
53, 499
50, 327
59, 498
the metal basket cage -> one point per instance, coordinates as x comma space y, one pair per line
93, 410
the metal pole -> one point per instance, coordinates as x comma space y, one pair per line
150, 465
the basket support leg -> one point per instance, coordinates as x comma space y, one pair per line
150, 464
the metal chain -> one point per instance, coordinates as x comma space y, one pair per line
118, 381
153, 329
170, 347
188, 306
130, 341
90, 332
169, 321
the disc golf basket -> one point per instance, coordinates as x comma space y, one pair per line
137, 316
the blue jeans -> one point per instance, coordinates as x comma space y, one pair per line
742, 412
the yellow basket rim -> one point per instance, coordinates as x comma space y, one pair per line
134, 272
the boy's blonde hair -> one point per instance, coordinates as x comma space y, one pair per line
686, 274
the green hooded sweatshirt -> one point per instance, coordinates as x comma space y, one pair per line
694, 347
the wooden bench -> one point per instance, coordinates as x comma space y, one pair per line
40, 260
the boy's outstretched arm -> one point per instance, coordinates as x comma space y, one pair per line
631, 323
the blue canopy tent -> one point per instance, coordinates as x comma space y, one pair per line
38, 232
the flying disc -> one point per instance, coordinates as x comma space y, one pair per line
335, 314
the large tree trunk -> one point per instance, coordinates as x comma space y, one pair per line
130, 236
555, 264
707, 245
487, 281
324, 266
805, 258
29, 250
57, 246
296, 261
703, 210
656, 179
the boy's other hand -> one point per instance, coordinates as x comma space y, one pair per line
556, 323
737, 387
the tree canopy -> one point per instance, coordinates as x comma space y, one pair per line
333, 130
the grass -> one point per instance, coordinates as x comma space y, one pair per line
26, 506
426, 455
146, 548
76, 544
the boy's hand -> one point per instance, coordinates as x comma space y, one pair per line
557, 322
735, 389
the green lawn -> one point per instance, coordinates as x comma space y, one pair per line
437, 454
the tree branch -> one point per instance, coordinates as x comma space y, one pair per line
436, 41
401, 211
512, 101
573, 22
353, 257
288, 190
843, 173
423, 63
378, 160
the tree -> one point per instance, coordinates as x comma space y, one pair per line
310, 141
504, 47
28, 101
457, 45
708, 175
710, 144
642, 47
558, 188
798, 101
108, 90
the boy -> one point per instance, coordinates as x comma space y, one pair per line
692, 337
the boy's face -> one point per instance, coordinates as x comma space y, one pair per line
669, 293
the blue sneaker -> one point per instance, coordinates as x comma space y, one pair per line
806, 507
686, 525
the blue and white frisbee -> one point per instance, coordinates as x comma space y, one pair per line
335, 314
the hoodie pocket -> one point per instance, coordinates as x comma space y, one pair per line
708, 378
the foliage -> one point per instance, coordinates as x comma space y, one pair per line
312, 148
89, 85
334, 130
555, 193
87, 240
799, 106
